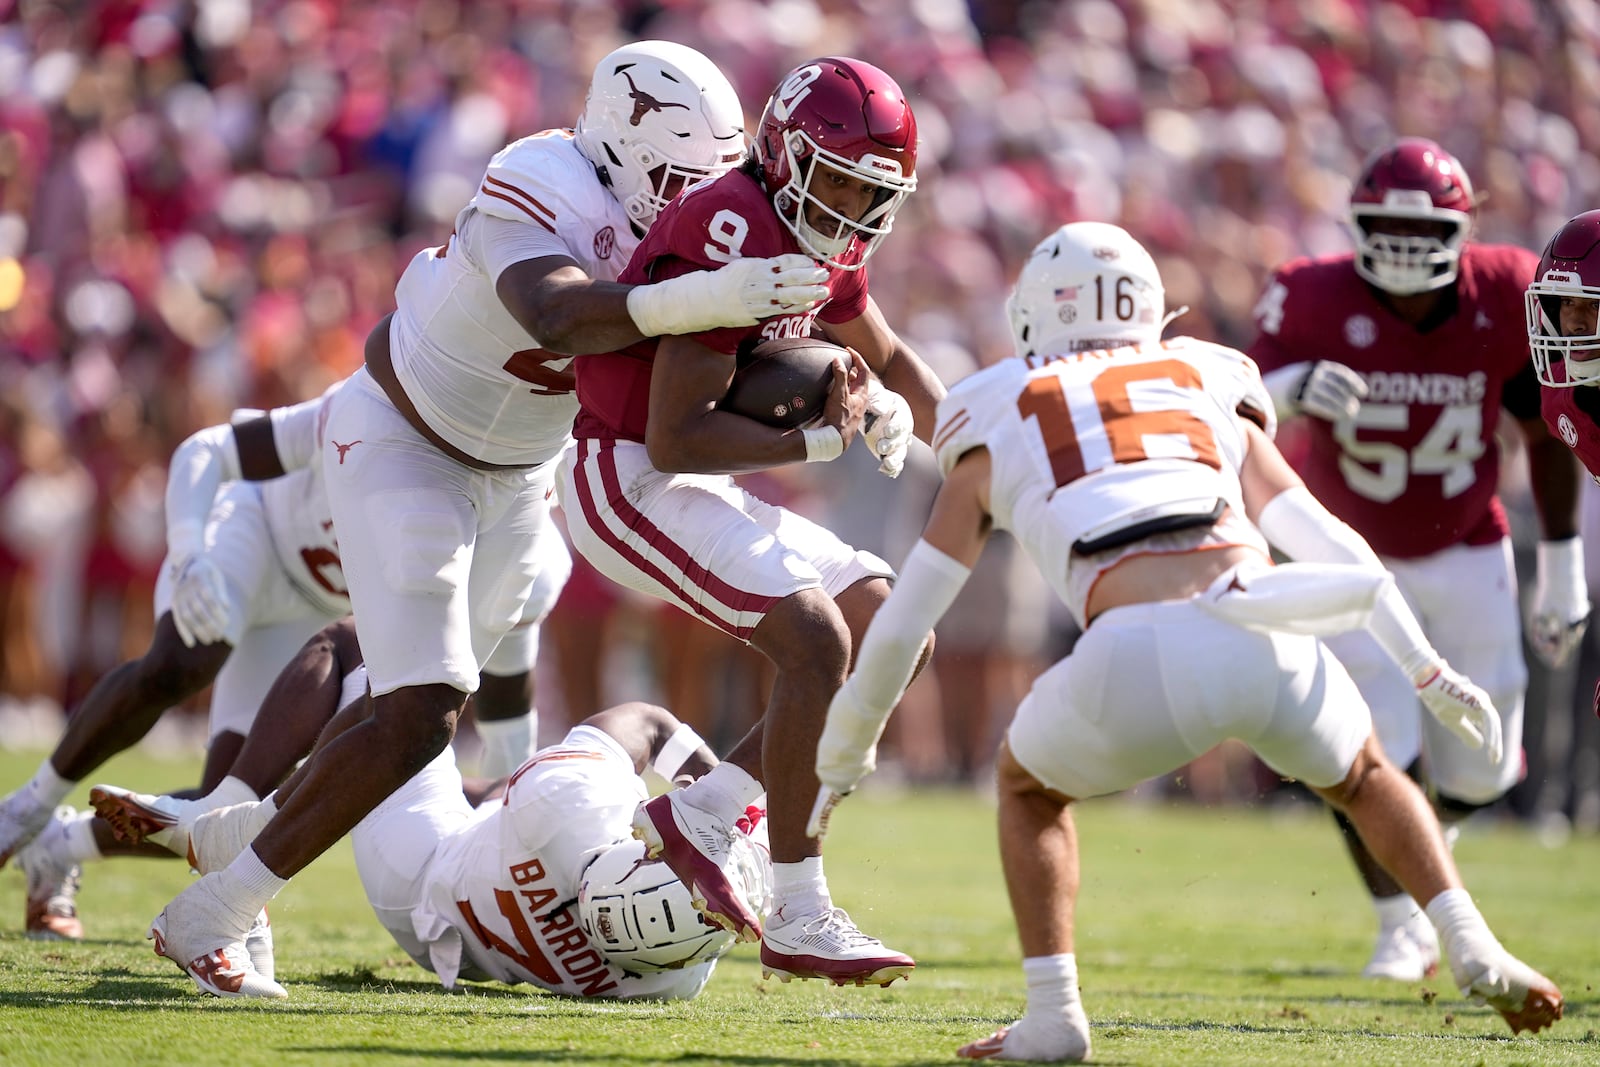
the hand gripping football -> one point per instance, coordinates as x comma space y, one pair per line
784, 382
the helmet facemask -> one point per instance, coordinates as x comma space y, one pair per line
809, 162
1408, 263
1562, 360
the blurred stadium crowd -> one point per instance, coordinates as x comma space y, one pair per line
204, 205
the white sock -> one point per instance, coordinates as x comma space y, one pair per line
47, 788
724, 791
230, 790
801, 887
1395, 911
268, 808
1454, 915
507, 743
77, 838
248, 885
1052, 984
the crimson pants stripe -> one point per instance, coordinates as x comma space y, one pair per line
693, 574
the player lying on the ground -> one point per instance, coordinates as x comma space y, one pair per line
544, 885
1131, 471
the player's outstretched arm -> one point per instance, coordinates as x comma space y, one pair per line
656, 739
199, 466
572, 313
933, 574
1295, 522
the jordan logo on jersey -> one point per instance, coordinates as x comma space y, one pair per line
644, 103
344, 449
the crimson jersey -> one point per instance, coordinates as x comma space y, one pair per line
711, 225
1574, 416
1415, 471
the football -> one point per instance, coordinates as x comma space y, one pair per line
784, 382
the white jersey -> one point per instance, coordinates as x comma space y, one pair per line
1096, 455
507, 882
296, 507
477, 378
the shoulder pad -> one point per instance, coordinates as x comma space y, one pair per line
966, 413
542, 179
1234, 378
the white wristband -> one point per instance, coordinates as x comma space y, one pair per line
683, 743
823, 443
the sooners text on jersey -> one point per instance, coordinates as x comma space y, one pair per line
1415, 470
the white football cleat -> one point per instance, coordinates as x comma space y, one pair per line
1526, 999
51, 912
197, 932
1065, 1040
139, 817
827, 944
21, 819
1407, 953
698, 848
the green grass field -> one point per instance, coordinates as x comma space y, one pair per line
1206, 938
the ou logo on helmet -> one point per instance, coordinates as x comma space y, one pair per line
795, 88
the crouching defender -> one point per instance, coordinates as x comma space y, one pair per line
1132, 473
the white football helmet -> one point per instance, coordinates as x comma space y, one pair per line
640, 915
1088, 285
660, 118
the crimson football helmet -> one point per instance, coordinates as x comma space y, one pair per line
1569, 273
660, 118
1411, 213
852, 118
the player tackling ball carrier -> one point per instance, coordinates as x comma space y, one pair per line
1141, 477
441, 450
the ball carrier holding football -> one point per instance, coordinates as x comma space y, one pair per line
650, 500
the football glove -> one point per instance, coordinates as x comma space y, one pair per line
200, 602
1330, 391
1560, 610
1463, 708
740, 294
887, 427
